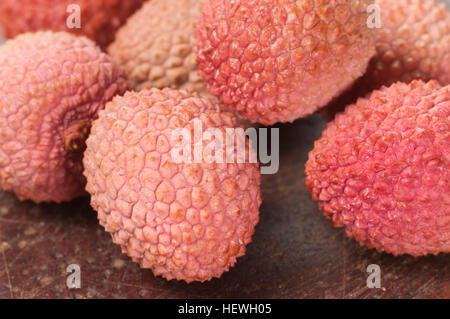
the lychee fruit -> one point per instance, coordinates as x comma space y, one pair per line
185, 220
155, 46
276, 61
413, 42
382, 169
51, 87
99, 19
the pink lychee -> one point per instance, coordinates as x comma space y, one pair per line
413, 42
185, 220
51, 87
156, 46
99, 19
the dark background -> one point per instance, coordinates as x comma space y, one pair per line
296, 252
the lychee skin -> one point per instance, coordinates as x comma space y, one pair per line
185, 221
51, 87
413, 43
276, 61
382, 169
155, 47
99, 18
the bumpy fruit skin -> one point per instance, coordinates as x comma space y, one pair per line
185, 221
99, 18
51, 87
382, 169
413, 43
276, 61
155, 47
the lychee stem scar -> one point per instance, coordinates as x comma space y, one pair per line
75, 137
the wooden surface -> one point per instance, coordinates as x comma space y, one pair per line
296, 253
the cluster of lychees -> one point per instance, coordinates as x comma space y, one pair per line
70, 127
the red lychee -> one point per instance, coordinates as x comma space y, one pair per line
382, 169
276, 61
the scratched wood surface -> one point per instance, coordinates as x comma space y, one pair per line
296, 253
